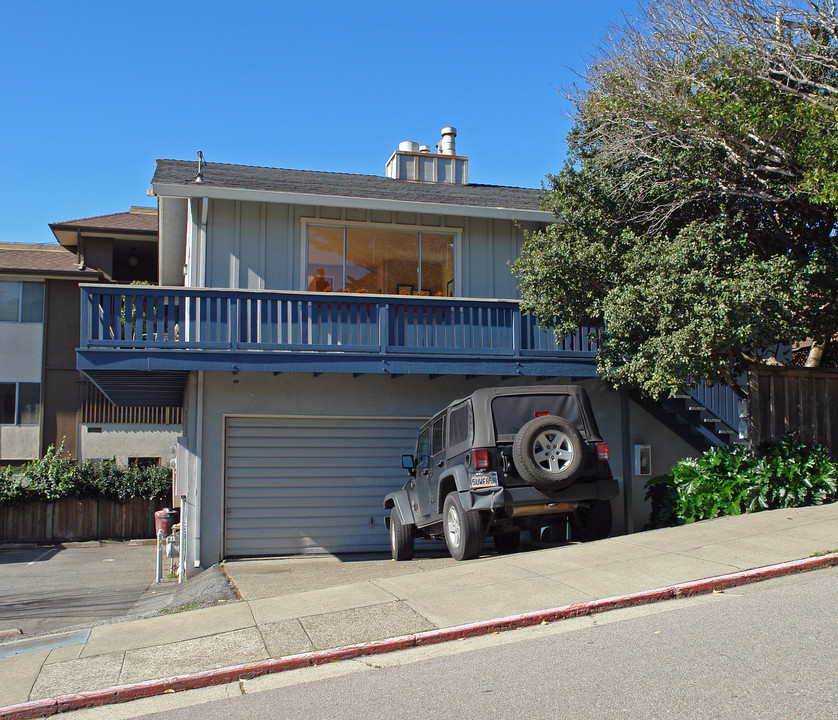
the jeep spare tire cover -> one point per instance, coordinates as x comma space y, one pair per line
548, 453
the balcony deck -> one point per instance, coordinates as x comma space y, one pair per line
134, 337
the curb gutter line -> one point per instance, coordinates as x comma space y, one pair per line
221, 676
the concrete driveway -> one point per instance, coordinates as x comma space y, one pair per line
48, 588
278, 576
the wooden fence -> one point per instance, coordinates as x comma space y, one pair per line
802, 399
78, 519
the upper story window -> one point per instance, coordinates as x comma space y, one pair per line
384, 261
21, 301
20, 403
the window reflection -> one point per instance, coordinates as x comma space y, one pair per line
325, 259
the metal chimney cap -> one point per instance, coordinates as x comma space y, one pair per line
408, 146
449, 131
424, 148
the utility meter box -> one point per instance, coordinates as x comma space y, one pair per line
642, 459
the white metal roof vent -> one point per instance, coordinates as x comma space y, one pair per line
416, 162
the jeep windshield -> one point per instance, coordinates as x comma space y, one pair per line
511, 412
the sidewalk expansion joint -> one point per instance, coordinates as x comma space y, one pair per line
238, 673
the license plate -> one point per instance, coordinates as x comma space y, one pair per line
487, 479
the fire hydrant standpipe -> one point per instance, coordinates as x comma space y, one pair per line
159, 556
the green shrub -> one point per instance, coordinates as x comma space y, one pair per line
730, 481
55, 476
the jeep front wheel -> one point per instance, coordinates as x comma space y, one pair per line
548, 453
463, 530
401, 537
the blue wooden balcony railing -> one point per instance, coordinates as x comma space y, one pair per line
183, 319
126, 329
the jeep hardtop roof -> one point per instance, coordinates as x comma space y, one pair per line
482, 399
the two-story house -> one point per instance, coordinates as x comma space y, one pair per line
311, 321
118, 248
44, 400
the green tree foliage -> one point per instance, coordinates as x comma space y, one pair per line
696, 213
56, 476
732, 481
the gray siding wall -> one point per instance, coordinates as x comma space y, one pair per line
260, 245
172, 213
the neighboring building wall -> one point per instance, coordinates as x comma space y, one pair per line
128, 441
21, 351
260, 245
60, 384
19, 442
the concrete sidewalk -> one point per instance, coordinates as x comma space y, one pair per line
385, 599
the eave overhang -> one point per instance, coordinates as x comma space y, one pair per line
194, 190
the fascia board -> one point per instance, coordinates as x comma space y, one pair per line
273, 196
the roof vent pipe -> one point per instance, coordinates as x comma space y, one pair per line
424, 148
446, 145
408, 146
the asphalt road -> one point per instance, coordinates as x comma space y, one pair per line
51, 588
761, 651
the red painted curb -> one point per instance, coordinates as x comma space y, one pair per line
221, 676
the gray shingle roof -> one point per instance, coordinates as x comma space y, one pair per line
246, 177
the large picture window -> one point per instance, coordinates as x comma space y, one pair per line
20, 403
385, 261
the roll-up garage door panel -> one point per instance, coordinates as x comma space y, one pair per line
311, 485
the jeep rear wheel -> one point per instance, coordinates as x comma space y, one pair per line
401, 537
591, 522
548, 453
464, 531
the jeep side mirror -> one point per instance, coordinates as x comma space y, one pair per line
408, 462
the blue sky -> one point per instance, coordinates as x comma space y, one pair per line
94, 92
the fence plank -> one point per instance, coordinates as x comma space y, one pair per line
78, 519
801, 399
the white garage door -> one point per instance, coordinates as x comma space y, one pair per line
309, 485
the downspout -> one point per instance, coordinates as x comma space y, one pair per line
202, 243
199, 428
199, 443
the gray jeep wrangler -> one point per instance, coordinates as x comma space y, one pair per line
501, 461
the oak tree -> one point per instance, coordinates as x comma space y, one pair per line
696, 212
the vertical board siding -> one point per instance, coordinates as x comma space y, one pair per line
794, 399
96, 409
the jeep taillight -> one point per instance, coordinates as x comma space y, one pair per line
480, 458
602, 451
